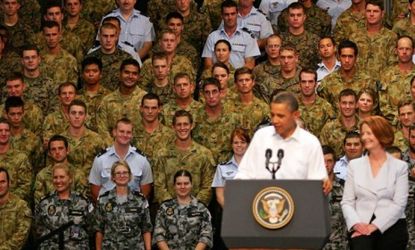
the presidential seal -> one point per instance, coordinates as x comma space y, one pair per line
273, 207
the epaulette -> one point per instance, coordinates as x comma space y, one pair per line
137, 193
102, 151
248, 31
47, 196
105, 194
128, 44
225, 163
260, 11
169, 200
140, 152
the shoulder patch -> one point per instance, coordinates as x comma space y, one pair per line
101, 152
140, 152
245, 29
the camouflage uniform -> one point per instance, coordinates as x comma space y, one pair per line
44, 182
213, 10
183, 227
165, 93
54, 123
16, 218
186, 50
122, 224
197, 28
375, 52
215, 134
306, 45
338, 235
398, 7
334, 132
404, 27
331, 86
410, 206
252, 114
19, 35
148, 143
110, 66
67, 70
197, 160
400, 141
52, 213
30, 144
157, 11
115, 106
9, 62
41, 90
178, 64
30, 13
94, 10
69, 42
348, 23
320, 109
85, 30
396, 86
318, 21
93, 101
83, 151
170, 108
20, 172
268, 79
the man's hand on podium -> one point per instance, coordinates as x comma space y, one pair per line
327, 186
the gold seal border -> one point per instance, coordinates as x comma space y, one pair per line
261, 194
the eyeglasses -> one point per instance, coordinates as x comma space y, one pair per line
126, 173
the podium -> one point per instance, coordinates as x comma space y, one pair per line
308, 227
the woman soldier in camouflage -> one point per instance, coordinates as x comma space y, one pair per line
122, 218
62, 207
183, 222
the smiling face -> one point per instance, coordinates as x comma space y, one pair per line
369, 140
121, 175
61, 180
183, 128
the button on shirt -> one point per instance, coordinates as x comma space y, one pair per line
224, 172
100, 174
323, 71
243, 46
303, 156
136, 30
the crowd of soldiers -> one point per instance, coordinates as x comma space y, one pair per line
86, 83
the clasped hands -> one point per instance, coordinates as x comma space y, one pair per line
363, 229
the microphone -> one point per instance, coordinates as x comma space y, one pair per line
280, 155
268, 155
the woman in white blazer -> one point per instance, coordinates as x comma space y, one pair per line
376, 192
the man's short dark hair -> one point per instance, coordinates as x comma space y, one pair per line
378, 3
211, 81
78, 102
27, 47
287, 98
347, 44
151, 96
328, 150
58, 138
175, 15
351, 134
182, 113
13, 102
130, 61
228, 4
50, 24
347, 92
91, 61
